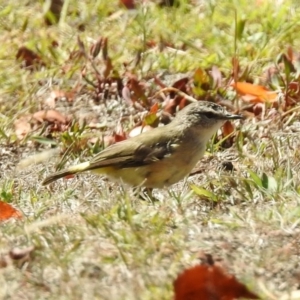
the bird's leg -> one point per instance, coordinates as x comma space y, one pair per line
145, 194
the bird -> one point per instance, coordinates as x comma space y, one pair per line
160, 157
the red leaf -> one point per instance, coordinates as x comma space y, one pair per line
209, 282
181, 84
154, 108
129, 4
8, 212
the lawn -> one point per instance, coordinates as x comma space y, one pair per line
90, 238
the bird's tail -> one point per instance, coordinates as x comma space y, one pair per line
69, 171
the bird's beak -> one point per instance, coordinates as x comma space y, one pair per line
234, 117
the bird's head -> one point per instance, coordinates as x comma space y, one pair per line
205, 114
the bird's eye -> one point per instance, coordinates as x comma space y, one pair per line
210, 115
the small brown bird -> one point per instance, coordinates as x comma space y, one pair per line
162, 156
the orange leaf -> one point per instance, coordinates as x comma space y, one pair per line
8, 212
209, 282
258, 92
154, 108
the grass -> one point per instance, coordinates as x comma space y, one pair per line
94, 239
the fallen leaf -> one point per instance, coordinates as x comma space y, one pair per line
181, 84
22, 126
152, 118
120, 136
154, 108
209, 282
29, 58
129, 4
177, 100
8, 212
227, 128
254, 93
50, 116
137, 88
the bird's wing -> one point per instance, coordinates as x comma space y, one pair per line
131, 153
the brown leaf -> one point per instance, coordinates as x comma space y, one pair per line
181, 84
177, 100
209, 282
29, 58
108, 67
105, 48
51, 116
228, 128
293, 92
129, 4
137, 88
95, 48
